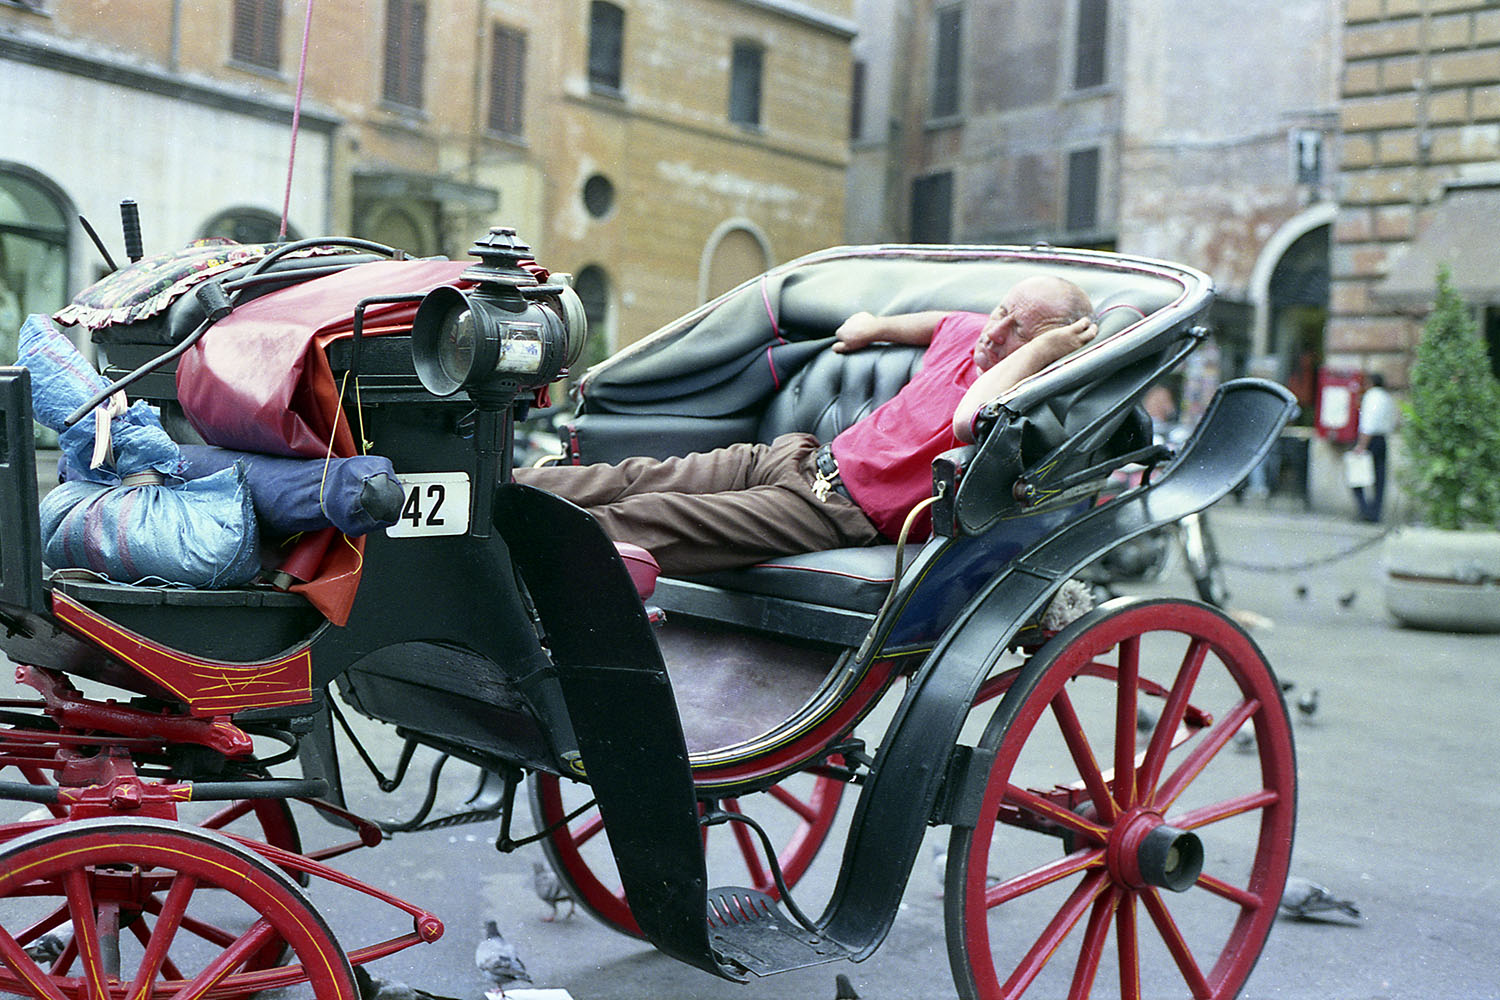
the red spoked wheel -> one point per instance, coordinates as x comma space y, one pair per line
798, 813
156, 910
1136, 826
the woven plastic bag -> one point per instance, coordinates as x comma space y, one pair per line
125, 514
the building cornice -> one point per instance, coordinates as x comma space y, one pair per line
805, 14
60, 57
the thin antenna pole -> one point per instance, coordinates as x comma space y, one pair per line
291, 160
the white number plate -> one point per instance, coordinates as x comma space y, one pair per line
437, 503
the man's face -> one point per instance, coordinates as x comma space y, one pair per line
998, 338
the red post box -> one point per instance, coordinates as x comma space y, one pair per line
1337, 416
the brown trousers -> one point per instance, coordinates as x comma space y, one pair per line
713, 510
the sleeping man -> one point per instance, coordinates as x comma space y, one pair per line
742, 504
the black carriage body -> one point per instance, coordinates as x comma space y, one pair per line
530, 646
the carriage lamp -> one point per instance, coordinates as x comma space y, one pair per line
506, 335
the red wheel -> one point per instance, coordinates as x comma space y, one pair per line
798, 813
157, 909
1144, 785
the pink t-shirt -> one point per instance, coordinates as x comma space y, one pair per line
885, 460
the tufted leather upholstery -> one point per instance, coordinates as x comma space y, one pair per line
833, 391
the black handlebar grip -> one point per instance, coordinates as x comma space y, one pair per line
130, 219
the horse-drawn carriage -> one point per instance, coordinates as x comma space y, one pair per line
1102, 837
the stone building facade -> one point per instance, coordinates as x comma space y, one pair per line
1420, 175
1204, 133
660, 151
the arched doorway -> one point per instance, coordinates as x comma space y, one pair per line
736, 252
1297, 315
33, 251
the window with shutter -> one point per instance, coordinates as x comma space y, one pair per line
932, 208
255, 35
405, 51
1083, 191
507, 80
1089, 52
946, 68
606, 45
745, 69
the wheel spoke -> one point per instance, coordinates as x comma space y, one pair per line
1125, 714
750, 853
1053, 935
1197, 759
24, 969
227, 815
1234, 894
1043, 806
1083, 756
1172, 936
86, 932
1094, 936
1172, 714
143, 935
1128, 943
168, 920
802, 807
1052, 871
586, 831
1237, 806
258, 936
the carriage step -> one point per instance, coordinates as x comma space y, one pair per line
747, 928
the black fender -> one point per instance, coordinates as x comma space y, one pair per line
624, 717
900, 798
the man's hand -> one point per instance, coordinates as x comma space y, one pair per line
1067, 339
863, 329
860, 330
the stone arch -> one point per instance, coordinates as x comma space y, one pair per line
734, 252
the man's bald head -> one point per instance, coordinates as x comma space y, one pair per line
1033, 305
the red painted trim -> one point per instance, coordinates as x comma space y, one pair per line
207, 687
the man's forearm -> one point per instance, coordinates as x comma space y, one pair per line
863, 329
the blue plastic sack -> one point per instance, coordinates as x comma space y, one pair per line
200, 533
356, 495
61, 381
164, 531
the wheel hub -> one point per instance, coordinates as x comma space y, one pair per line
1145, 851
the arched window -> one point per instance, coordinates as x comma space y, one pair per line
33, 252
735, 253
592, 286
248, 225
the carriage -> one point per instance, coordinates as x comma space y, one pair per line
1104, 838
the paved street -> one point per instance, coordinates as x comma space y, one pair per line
1397, 808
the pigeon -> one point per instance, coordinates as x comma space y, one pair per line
1347, 599
47, 948
550, 890
1301, 591
1303, 899
1145, 719
1244, 741
498, 959
1308, 704
375, 988
843, 989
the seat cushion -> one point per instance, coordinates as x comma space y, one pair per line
853, 579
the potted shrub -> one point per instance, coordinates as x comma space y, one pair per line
1444, 571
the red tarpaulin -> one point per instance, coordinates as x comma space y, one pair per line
259, 380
